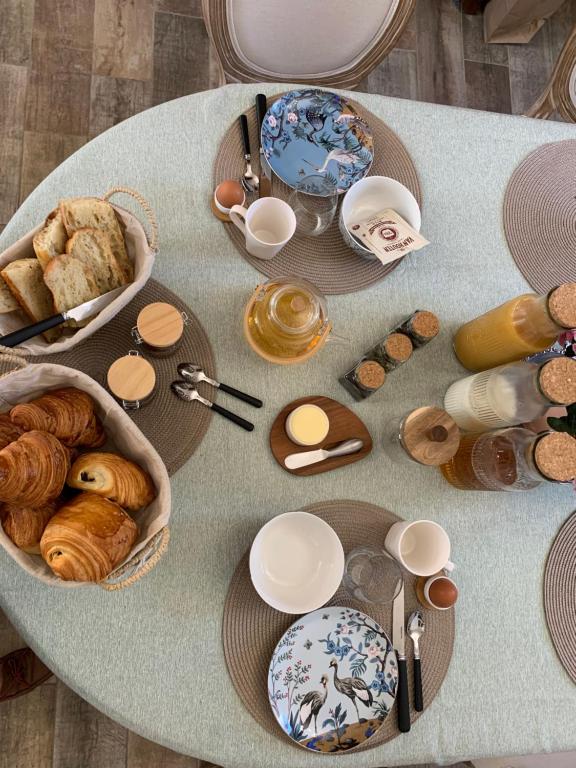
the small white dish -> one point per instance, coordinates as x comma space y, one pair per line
296, 562
367, 198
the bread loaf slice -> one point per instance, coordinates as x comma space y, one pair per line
80, 212
92, 247
50, 241
24, 278
71, 283
7, 301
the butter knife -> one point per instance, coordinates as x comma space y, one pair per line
304, 459
265, 188
398, 641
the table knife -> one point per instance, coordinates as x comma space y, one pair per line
398, 641
298, 460
265, 189
81, 312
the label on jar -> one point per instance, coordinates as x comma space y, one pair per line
388, 236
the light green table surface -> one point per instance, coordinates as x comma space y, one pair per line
151, 656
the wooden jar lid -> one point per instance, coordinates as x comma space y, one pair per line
430, 436
160, 325
557, 380
555, 456
562, 305
131, 378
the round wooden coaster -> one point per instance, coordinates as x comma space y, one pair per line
164, 415
560, 595
251, 629
540, 216
324, 260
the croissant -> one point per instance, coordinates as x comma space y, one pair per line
33, 469
8, 431
114, 477
66, 413
87, 538
25, 525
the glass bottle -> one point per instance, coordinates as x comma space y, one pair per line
516, 329
426, 435
511, 394
513, 459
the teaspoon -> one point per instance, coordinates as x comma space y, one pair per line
187, 392
195, 374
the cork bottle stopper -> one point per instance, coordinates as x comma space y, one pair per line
131, 378
398, 347
562, 305
370, 374
430, 436
160, 325
555, 456
425, 324
557, 380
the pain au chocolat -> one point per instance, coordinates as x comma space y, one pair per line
114, 477
87, 538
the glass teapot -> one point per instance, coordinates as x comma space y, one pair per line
286, 320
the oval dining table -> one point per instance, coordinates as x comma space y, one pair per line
150, 656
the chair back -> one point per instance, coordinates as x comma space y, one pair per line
333, 43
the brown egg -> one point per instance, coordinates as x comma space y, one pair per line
443, 593
229, 193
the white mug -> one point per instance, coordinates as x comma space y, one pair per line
268, 224
422, 547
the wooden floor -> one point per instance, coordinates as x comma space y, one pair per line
70, 69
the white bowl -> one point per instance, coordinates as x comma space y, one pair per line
367, 198
296, 562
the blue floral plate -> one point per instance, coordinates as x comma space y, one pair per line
332, 679
310, 132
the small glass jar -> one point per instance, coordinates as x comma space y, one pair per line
426, 435
159, 329
395, 350
132, 381
422, 326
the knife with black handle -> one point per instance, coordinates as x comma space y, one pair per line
265, 188
398, 641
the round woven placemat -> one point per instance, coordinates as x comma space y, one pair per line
174, 428
540, 215
251, 629
324, 260
560, 595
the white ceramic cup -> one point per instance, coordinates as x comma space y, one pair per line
422, 547
267, 224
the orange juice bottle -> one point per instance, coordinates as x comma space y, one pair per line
520, 327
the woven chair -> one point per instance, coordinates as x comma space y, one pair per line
334, 44
560, 93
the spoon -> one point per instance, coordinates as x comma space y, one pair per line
298, 460
195, 374
186, 391
249, 180
415, 629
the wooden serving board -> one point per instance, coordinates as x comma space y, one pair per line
344, 425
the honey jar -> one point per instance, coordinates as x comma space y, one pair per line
132, 381
159, 328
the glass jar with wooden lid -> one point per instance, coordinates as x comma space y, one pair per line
159, 328
426, 435
132, 380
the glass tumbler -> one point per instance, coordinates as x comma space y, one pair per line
371, 575
314, 203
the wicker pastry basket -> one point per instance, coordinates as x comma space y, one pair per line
141, 248
27, 381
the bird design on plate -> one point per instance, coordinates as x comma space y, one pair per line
309, 132
332, 679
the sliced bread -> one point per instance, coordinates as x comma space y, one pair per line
50, 241
24, 277
92, 247
80, 212
7, 301
71, 283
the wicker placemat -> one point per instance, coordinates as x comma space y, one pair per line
540, 215
560, 595
174, 428
251, 629
324, 260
